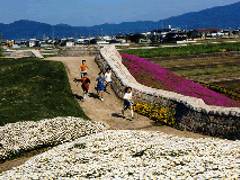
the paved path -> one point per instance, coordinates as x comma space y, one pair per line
105, 111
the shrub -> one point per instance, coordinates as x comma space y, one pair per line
0, 51
159, 114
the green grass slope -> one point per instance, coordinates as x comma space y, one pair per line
32, 90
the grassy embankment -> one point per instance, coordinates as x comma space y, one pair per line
218, 73
33, 90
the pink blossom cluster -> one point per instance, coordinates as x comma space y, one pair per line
147, 73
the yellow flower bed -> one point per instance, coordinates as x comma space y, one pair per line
157, 113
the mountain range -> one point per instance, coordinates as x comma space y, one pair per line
218, 17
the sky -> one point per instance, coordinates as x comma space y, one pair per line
93, 12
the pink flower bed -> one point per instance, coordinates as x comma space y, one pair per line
151, 74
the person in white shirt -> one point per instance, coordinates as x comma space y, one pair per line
128, 102
108, 78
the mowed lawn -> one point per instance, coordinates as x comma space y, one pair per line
32, 89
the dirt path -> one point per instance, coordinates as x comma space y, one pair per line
20, 160
106, 111
100, 111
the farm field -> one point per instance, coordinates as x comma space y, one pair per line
220, 71
190, 50
154, 75
32, 90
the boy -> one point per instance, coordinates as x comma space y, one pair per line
108, 77
85, 84
101, 85
83, 68
128, 102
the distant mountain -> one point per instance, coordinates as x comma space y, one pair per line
217, 17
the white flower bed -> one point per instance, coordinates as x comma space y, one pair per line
24, 136
134, 155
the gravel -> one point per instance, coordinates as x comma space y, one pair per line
134, 155
25, 136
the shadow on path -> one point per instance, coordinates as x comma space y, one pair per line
93, 95
78, 97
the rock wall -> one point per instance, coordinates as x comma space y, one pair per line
192, 113
23, 54
18, 54
79, 51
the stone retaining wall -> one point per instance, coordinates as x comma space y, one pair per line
79, 51
192, 113
18, 54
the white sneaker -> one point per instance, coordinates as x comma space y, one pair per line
101, 99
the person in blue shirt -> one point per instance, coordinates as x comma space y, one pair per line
101, 85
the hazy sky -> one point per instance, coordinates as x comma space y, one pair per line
91, 12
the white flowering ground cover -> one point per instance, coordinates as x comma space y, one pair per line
26, 136
134, 155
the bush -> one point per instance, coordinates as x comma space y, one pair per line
0, 51
157, 113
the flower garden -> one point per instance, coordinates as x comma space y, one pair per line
157, 113
153, 75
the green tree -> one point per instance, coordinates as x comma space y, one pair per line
1, 38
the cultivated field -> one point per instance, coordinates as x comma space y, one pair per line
223, 71
184, 51
215, 66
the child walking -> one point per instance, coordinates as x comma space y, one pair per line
85, 85
101, 85
108, 77
83, 68
128, 102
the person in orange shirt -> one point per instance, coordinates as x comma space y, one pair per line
83, 68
